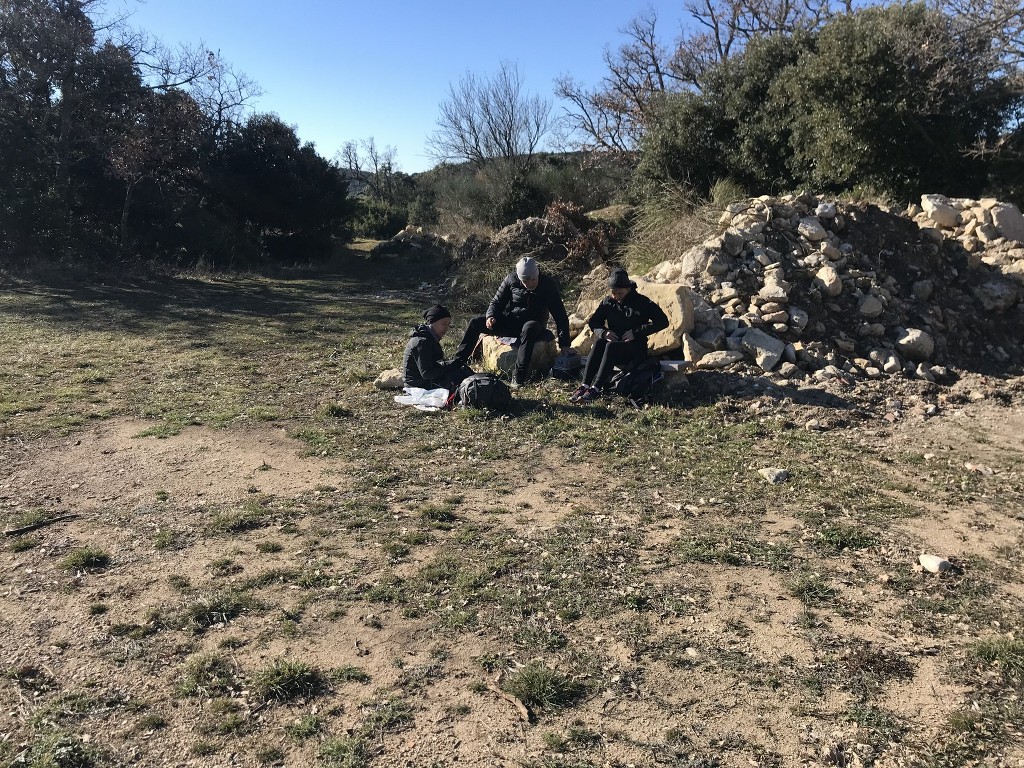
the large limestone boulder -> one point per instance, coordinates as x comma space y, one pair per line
938, 209
674, 300
766, 349
501, 358
1009, 221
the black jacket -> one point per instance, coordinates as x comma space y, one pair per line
424, 365
516, 303
636, 313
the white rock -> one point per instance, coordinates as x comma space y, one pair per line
767, 350
774, 475
720, 359
939, 210
390, 379
914, 344
825, 211
827, 278
811, 229
934, 563
1008, 220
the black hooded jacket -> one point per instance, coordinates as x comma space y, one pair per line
423, 364
515, 302
635, 313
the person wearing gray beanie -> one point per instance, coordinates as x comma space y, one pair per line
423, 364
520, 309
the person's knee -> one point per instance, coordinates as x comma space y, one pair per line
532, 330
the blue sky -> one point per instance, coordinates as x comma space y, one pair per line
342, 70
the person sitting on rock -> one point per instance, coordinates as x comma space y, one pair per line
520, 309
423, 365
622, 322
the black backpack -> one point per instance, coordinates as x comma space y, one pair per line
485, 391
638, 383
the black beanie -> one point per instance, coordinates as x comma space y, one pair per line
435, 313
619, 279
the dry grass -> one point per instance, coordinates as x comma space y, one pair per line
624, 573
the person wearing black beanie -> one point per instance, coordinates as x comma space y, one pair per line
622, 323
423, 364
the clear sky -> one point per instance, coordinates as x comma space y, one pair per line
342, 70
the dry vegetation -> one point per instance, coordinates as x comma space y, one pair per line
270, 563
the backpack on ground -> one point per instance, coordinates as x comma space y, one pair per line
485, 391
639, 382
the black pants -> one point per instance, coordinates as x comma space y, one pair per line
528, 333
606, 355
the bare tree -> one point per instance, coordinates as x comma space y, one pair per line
376, 167
224, 94
490, 118
613, 116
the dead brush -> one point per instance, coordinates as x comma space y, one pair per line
673, 220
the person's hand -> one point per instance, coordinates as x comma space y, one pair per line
628, 336
610, 336
491, 322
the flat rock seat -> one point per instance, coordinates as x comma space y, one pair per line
500, 357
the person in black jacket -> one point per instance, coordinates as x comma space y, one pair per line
424, 365
622, 323
520, 309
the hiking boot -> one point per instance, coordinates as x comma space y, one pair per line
580, 391
589, 396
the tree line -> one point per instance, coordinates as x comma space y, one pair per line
119, 148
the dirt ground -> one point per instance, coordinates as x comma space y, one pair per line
672, 697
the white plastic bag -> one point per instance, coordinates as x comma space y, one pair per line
423, 399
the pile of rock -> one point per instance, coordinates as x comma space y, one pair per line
413, 239
991, 232
800, 285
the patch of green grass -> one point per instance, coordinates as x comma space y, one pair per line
98, 609
287, 679
386, 716
24, 543
218, 608
58, 751
85, 559
1005, 654
203, 748
306, 727
249, 518
348, 674
538, 686
734, 548
812, 589
346, 752
166, 540
269, 547
269, 755
209, 675
835, 538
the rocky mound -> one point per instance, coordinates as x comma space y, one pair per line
800, 285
